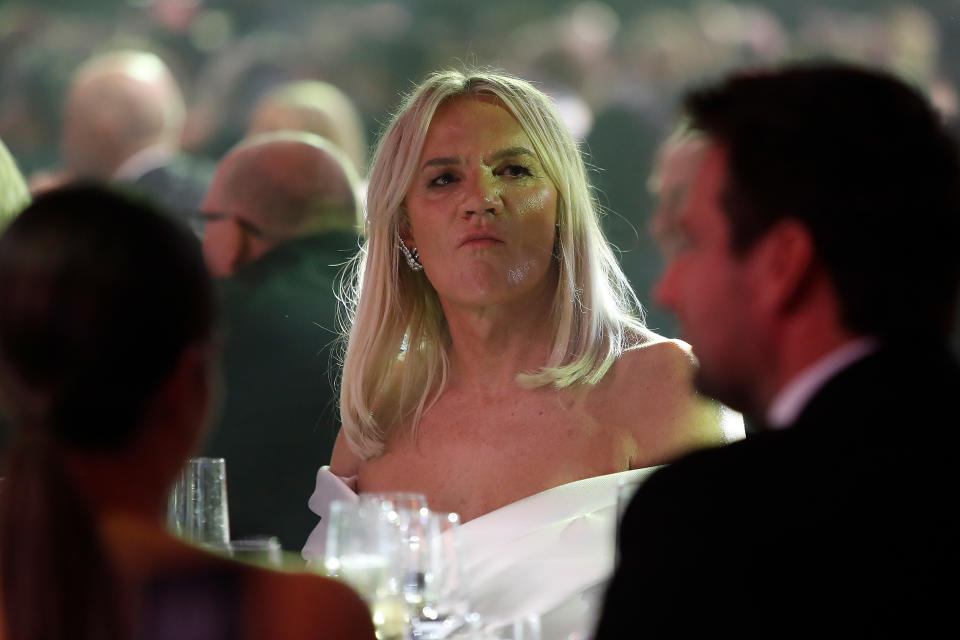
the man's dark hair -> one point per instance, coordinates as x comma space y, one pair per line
863, 161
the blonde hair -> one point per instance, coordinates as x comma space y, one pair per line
396, 365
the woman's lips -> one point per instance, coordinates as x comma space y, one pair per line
479, 242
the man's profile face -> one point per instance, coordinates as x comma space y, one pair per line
231, 237
703, 283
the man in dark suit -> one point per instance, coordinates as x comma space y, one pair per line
811, 245
123, 121
281, 221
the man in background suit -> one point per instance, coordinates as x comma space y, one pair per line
811, 244
123, 120
281, 221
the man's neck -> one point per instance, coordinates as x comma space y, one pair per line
793, 396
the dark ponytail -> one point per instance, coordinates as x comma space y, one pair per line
99, 296
57, 582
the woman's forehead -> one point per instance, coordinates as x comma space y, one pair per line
470, 105
475, 117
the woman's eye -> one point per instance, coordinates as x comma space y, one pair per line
516, 171
442, 180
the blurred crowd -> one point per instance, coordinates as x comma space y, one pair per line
614, 68
252, 121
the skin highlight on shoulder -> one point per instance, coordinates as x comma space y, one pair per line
649, 390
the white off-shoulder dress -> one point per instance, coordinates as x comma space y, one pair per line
549, 554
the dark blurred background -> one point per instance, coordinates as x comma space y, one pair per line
615, 67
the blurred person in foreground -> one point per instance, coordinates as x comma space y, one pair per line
495, 349
316, 107
106, 354
281, 222
123, 121
810, 218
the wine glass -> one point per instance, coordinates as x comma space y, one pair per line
364, 544
440, 606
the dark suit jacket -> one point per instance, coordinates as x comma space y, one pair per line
179, 186
844, 525
278, 420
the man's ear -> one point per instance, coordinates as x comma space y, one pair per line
784, 263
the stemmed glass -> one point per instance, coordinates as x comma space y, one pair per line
401, 557
440, 607
364, 549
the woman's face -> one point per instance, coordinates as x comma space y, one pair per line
482, 211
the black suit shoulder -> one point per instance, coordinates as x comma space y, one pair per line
845, 515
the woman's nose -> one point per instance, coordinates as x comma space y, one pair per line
482, 196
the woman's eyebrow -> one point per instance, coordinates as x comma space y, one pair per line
440, 161
512, 151
499, 155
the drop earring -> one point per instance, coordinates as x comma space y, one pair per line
412, 257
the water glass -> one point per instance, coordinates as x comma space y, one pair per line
197, 507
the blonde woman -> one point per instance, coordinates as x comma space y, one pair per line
495, 350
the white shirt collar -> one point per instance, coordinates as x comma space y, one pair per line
142, 162
793, 397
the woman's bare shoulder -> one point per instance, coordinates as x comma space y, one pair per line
652, 392
664, 360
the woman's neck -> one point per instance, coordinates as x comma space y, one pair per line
491, 345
